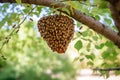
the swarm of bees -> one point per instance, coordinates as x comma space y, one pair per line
57, 31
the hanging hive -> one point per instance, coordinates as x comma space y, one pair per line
57, 31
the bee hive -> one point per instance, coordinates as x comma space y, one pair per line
57, 31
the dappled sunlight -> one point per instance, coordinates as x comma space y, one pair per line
22, 35
87, 74
23, 59
28, 57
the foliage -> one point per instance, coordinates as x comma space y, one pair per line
94, 49
30, 58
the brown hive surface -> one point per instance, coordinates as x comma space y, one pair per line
57, 31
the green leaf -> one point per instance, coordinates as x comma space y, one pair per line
110, 54
26, 10
103, 4
85, 33
78, 45
109, 21
18, 1
2, 23
99, 46
88, 47
97, 17
39, 8
76, 59
90, 63
81, 59
109, 44
91, 56
106, 54
95, 38
66, 10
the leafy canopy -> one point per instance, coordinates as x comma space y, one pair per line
25, 44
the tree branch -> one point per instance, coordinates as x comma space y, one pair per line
107, 69
79, 16
14, 30
115, 10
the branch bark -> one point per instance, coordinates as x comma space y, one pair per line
79, 16
115, 10
107, 69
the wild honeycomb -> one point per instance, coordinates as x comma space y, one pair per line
57, 31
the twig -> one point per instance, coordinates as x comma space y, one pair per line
107, 69
18, 26
15, 29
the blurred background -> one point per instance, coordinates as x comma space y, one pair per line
28, 57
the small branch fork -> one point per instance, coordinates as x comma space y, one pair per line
107, 69
14, 30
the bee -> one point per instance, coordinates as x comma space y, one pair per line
57, 31
80, 29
